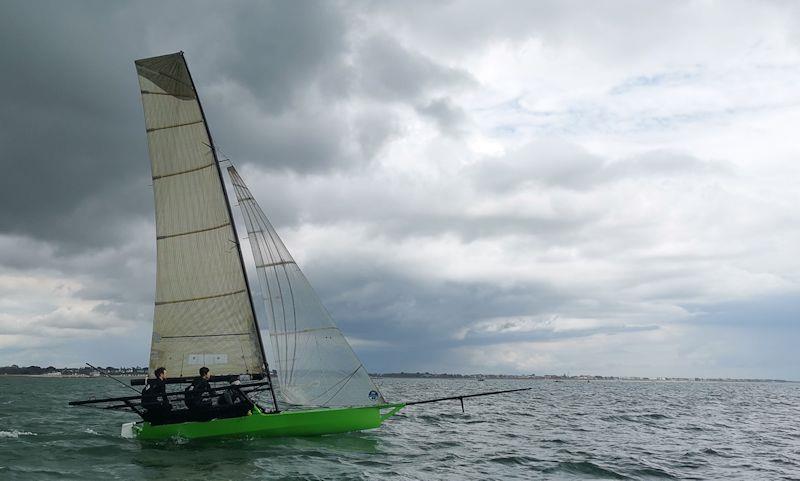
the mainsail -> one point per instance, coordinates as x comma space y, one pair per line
316, 366
203, 311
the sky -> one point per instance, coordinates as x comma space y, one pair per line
506, 187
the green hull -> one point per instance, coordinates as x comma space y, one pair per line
311, 422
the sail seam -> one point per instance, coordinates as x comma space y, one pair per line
285, 333
208, 335
200, 298
150, 92
280, 263
164, 74
193, 232
156, 177
175, 125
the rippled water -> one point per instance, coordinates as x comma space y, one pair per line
564, 430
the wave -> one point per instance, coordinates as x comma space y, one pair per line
586, 468
514, 460
636, 418
15, 434
653, 472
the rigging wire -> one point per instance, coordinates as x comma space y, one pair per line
112, 377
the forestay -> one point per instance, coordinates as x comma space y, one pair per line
203, 313
316, 366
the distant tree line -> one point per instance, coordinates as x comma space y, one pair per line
14, 369
68, 371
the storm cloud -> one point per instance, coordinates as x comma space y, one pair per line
529, 187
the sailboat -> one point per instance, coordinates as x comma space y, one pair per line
205, 311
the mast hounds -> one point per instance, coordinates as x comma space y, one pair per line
204, 314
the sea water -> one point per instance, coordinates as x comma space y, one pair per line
558, 430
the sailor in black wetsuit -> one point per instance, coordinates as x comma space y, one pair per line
154, 389
198, 395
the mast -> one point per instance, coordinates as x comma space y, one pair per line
235, 234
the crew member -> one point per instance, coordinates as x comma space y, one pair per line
154, 389
198, 394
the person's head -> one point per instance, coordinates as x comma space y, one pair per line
161, 373
205, 372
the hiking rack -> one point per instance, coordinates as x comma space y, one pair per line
187, 379
134, 403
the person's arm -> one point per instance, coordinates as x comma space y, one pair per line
146, 393
243, 397
207, 389
163, 391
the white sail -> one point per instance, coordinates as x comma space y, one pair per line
316, 365
203, 313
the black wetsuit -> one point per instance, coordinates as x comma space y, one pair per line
198, 394
232, 395
154, 389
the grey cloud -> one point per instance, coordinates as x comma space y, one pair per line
566, 165
305, 141
470, 228
616, 32
422, 319
404, 210
75, 197
506, 337
377, 303
374, 129
129, 349
665, 163
397, 73
450, 118
122, 278
463, 26
312, 94
319, 134
279, 49
57, 323
775, 311
554, 163
76, 191
300, 122
73, 148
64, 323
75, 157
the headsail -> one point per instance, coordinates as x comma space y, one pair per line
316, 365
203, 312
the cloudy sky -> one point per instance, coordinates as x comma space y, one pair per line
547, 187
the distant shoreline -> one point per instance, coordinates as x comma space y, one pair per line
471, 378
138, 372
62, 376
558, 378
